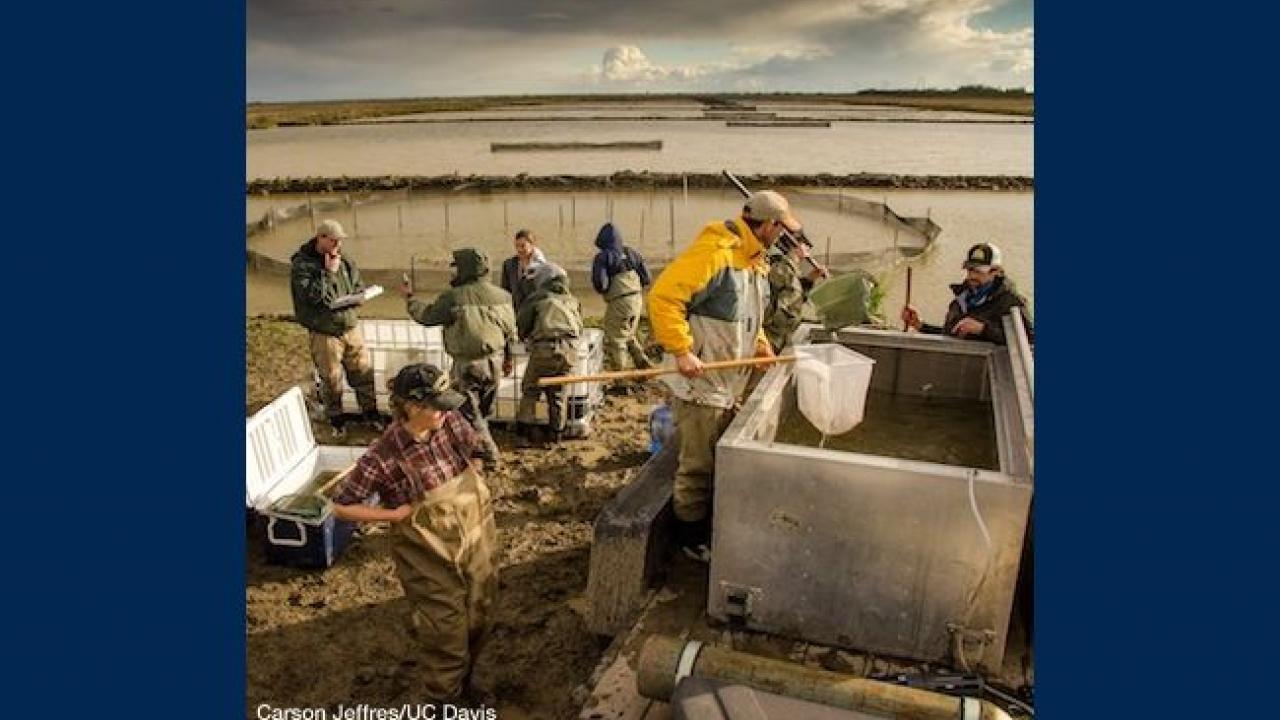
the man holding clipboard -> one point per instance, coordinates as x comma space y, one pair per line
327, 291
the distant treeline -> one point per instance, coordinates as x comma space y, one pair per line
962, 91
267, 114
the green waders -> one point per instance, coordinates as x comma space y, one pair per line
444, 558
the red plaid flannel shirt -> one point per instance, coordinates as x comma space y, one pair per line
438, 458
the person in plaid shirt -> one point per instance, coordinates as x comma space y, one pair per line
420, 477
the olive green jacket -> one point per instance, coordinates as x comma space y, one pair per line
314, 288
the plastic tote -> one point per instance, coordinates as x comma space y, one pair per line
394, 343
843, 301
831, 386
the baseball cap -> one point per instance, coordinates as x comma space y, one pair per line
982, 256
769, 205
332, 228
427, 383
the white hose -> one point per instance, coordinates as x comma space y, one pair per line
972, 604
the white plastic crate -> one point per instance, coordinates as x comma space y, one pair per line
395, 343
392, 344
584, 397
282, 458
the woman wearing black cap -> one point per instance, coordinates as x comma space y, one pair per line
422, 473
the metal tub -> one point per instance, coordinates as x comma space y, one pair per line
876, 553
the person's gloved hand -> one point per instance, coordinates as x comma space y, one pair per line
910, 317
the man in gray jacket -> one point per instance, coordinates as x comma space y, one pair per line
479, 328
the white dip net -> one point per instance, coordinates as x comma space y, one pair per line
831, 387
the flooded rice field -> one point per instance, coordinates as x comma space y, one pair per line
441, 148
403, 230
695, 111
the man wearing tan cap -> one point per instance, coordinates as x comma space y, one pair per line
319, 276
708, 304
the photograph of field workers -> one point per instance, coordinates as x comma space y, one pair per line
640, 360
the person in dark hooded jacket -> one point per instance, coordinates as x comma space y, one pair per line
550, 321
620, 275
479, 329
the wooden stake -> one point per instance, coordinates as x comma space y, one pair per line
671, 208
908, 301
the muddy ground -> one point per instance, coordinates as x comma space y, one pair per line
337, 636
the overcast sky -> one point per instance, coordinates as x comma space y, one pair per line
330, 49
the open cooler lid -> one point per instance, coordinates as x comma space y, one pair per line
277, 438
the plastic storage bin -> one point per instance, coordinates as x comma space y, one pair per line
394, 343
844, 300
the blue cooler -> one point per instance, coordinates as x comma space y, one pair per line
285, 477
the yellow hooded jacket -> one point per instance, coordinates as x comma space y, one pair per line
710, 301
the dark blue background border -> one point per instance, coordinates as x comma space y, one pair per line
125, 276
126, 372
1155, 263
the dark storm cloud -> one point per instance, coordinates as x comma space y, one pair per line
332, 48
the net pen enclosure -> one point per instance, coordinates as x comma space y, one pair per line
394, 343
903, 537
286, 476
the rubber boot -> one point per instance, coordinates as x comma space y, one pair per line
524, 435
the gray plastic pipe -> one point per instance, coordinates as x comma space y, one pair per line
665, 661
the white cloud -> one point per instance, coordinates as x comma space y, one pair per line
629, 64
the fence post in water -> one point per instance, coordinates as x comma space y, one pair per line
685, 178
671, 210
505, 227
355, 220
828, 251
400, 219
561, 208
642, 226
573, 216
446, 219
311, 210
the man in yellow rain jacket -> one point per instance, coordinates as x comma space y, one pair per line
708, 304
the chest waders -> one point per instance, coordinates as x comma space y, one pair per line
444, 559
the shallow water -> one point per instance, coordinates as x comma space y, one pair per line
966, 217
427, 227
688, 146
948, 431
